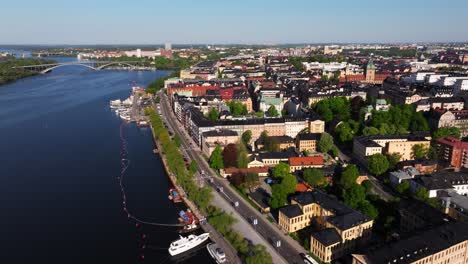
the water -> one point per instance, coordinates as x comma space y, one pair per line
60, 201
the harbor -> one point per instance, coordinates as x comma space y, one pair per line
132, 109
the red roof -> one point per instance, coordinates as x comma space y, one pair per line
306, 161
301, 187
453, 142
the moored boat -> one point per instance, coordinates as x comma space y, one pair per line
174, 195
184, 244
189, 228
216, 252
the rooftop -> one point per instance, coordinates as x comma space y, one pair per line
291, 211
327, 237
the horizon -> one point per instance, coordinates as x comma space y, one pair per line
52, 22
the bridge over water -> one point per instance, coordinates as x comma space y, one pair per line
94, 65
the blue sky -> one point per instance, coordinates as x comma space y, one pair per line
234, 21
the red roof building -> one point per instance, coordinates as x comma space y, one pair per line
299, 163
453, 151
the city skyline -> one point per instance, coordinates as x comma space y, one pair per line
208, 22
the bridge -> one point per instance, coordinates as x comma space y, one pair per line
94, 65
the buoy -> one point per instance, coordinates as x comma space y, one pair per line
137, 225
142, 256
143, 236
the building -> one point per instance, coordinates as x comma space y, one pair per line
417, 215
424, 166
451, 118
441, 181
397, 177
307, 142
454, 151
447, 103
261, 198
342, 229
260, 171
299, 163
366, 146
445, 244
168, 46
211, 139
283, 142
271, 159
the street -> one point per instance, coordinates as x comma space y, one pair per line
264, 232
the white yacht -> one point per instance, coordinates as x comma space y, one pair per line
216, 252
186, 243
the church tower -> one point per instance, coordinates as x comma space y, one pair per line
370, 71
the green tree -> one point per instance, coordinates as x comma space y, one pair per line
418, 122
177, 140
314, 177
421, 194
326, 142
213, 114
419, 151
370, 131
216, 159
246, 137
334, 151
393, 160
242, 157
193, 167
354, 195
251, 180
403, 187
272, 111
279, 196
280, 170
348, 177
259, 256
377, 164
368, 209
289, 183
259, 114
445, 132
269, 144
367, 185
346, 131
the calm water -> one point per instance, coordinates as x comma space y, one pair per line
60, 201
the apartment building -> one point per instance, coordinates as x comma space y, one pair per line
300, 163
211, 139
454, 151
451, 118
366, 146
307, 141
342, 229
445, 244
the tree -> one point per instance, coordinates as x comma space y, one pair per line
370, 131
230, 156
367, 185
213, 114
279, 197
289, 183
348, 176
445, 132
193, 167
421, 194
246, 137
259, 256
354, 195
393, 160
368, 209
377, 164
420, 151
177, 140
251, 180
280, 170
346, 131
269, 144
314, 177
272, 111
237, 108
334, 151
418, 122
326, 142
242, 158
216, 159
403, 187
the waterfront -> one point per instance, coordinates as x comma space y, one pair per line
60, 153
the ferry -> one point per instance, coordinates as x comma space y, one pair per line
174, 196
184, 244
216, 253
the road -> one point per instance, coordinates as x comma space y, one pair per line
264, 232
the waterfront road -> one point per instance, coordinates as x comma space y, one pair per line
264, 232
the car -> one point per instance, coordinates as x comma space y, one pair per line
308, 259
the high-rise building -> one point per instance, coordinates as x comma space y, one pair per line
168, 46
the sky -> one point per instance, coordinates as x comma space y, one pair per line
234, 21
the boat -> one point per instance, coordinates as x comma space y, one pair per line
174, 195
184, 244
125, 116
115, 103
216, 252
189, 228
142, 123
187, 217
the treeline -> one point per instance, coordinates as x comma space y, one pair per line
158, 84
8, 73
176, 164
399, 119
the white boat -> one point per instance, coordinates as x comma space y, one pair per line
125, 116
216, 253
186, 243
142, 123
115, 103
